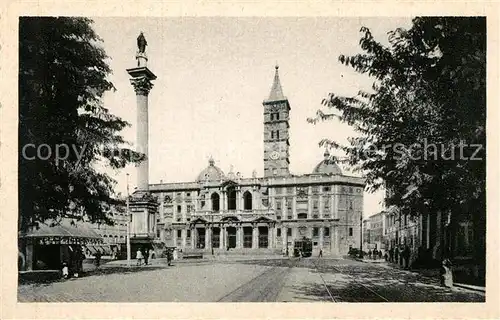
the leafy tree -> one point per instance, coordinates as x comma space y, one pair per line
63, 74
429, 89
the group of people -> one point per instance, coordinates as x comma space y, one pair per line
400, 255
73, 263
143, 255
375, 254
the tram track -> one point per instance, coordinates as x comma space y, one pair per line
355, 292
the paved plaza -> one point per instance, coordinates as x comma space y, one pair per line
259, 280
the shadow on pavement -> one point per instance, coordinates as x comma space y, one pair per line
39, 279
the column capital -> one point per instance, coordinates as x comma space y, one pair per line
142, 85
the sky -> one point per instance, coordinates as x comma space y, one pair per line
213, 74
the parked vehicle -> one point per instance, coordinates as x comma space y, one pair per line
302, 247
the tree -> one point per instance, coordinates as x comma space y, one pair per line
62, 78
429, 89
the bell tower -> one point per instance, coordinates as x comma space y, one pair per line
276, 131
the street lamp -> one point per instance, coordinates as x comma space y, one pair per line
361, 235
128, 226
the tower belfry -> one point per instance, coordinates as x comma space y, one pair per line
276, 131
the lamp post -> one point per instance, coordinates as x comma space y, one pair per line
128, 226
361, 235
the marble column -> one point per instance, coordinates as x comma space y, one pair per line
270, 237
321, 234
174, 237
184, 238
194, 236
320, 204
255, 237
284, 237
239, 237
208, 238
221, 237
332, 206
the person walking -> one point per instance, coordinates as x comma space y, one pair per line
169, 257
146, 256
320, 253
97, 258
396, 255
138, 256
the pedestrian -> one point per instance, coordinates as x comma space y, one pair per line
446, 274
138, 256
169, 257
380, 254
406, 257
65, 271
97, 258
320, 253
146, 256
396, 255
374, 254
391, 254
370, 254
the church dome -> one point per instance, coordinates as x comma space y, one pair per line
211, 172
327, 166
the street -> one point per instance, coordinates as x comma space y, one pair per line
258, 280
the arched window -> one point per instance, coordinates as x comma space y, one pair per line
215, 201
231, 198
247, 200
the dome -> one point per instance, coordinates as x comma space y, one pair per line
211, 172
327, 166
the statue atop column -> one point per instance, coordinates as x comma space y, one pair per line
142, 59
141, 43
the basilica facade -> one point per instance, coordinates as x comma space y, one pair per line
219, 212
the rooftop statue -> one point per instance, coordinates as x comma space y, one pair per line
141, 43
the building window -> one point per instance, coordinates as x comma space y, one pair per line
247, 200
179, 233
315, 204
188, 234
278, 217
189, 208
350, 232
279, 190
277, 134
327, 203
275, 171
158, 233
350, 205
326, 189
314, 190
327, 231
289, 190
278, 232
231, 198
277, 115
215, 201
302, 216
289, 203
179, 209
315, 231
290, 217
350, 189
278, 204
272, 134
289, 232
